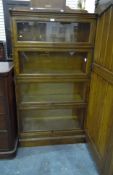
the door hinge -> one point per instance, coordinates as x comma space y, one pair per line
92, 67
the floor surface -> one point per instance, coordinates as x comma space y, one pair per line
72, 159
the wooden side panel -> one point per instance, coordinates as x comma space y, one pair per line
99, 113
108, 59
104, 40
98, 38
99, 116
108, 165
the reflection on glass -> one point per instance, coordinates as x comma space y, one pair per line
53, 31
52, 62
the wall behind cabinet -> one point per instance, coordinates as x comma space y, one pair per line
2, 27
9, 4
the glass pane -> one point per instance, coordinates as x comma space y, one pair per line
53, 31
46, 119
51, 92
52, 62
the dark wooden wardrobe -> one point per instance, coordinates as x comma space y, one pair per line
8, 126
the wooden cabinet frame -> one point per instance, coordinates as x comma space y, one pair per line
55, 136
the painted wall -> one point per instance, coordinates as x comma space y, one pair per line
2, 28
89, 6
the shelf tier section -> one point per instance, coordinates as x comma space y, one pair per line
51, 92
42, 29
54, 124
45, 61
51, 104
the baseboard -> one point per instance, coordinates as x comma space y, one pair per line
51, 141
11, 153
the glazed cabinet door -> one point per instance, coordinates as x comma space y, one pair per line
32, 92
53, 61
50, 119
51, 28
